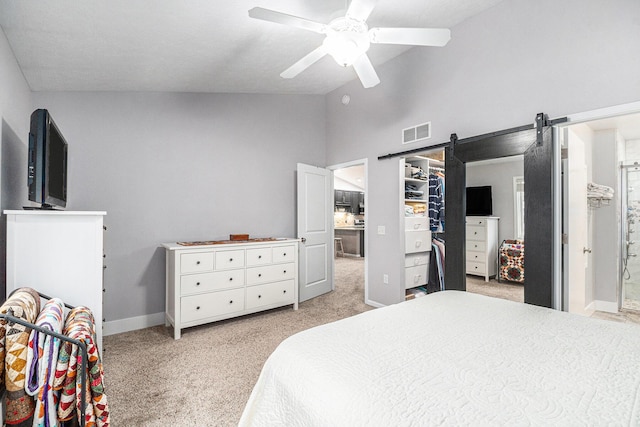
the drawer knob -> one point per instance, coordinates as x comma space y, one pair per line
476, 267
230, 259
198, 284
475, 232
197, 262
230, 301
231, 279
259, 256
284, 292
285, 272
198, 308
259, 296
259, 274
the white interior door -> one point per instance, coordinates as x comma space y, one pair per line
576, 225
315, 186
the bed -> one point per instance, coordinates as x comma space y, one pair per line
453, 358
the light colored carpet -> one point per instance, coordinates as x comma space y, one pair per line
511, 291
205, 378
515, 292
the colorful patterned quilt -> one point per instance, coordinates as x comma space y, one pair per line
80, 325
42, 357
14, 340
511, 259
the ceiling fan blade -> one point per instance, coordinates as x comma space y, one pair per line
411, 36
283, 18
304, 63
365, 71
361, 9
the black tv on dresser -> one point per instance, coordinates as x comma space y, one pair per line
47, 162
479, 202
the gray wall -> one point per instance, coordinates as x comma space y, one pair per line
15, 105
500, 177
606, 219
179, 167
499, 69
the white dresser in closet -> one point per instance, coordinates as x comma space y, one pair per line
482, 246
417, 247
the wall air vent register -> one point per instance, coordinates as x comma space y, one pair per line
416, 133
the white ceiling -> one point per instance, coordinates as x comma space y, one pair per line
195, 45
352, 175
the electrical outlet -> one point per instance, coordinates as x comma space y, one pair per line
381, 230
385, 279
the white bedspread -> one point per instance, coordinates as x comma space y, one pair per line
453, 358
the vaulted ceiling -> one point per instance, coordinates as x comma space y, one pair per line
195, 45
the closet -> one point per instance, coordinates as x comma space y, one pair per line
422, 189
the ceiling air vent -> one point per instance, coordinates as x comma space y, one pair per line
416, 133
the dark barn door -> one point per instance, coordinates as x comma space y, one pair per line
536, 146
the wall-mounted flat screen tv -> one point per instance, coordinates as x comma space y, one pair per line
47, 162
479, 201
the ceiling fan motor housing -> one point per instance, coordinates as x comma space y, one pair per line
347, 39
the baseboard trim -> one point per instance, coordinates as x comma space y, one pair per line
132, 323
606, 306
373, 303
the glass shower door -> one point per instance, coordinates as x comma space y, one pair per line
630, 292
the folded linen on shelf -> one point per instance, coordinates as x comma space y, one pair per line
42, 357
599, 191
14, 340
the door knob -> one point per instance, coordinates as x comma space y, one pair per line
586, 250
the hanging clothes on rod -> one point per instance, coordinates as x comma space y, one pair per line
436, 202
436, 266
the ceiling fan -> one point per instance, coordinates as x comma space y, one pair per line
348, 38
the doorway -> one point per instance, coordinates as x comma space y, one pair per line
609, 271
495, 209
350, 228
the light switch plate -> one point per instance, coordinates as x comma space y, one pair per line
381, 230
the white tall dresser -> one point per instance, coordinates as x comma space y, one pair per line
59, 254
482, 246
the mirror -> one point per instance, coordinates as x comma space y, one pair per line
518, 207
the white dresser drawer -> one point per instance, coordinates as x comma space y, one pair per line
416, 223
476, 246
476, 256
284, 254
476, 267
211, 283
476, 221
270, 273
417, 241
270, 293
229, 259
196, 262
475, 233
213, 304
205, 282
416, 259
415, 276
259, 256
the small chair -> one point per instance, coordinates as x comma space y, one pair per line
338, 244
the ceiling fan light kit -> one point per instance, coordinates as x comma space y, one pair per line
348, 39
